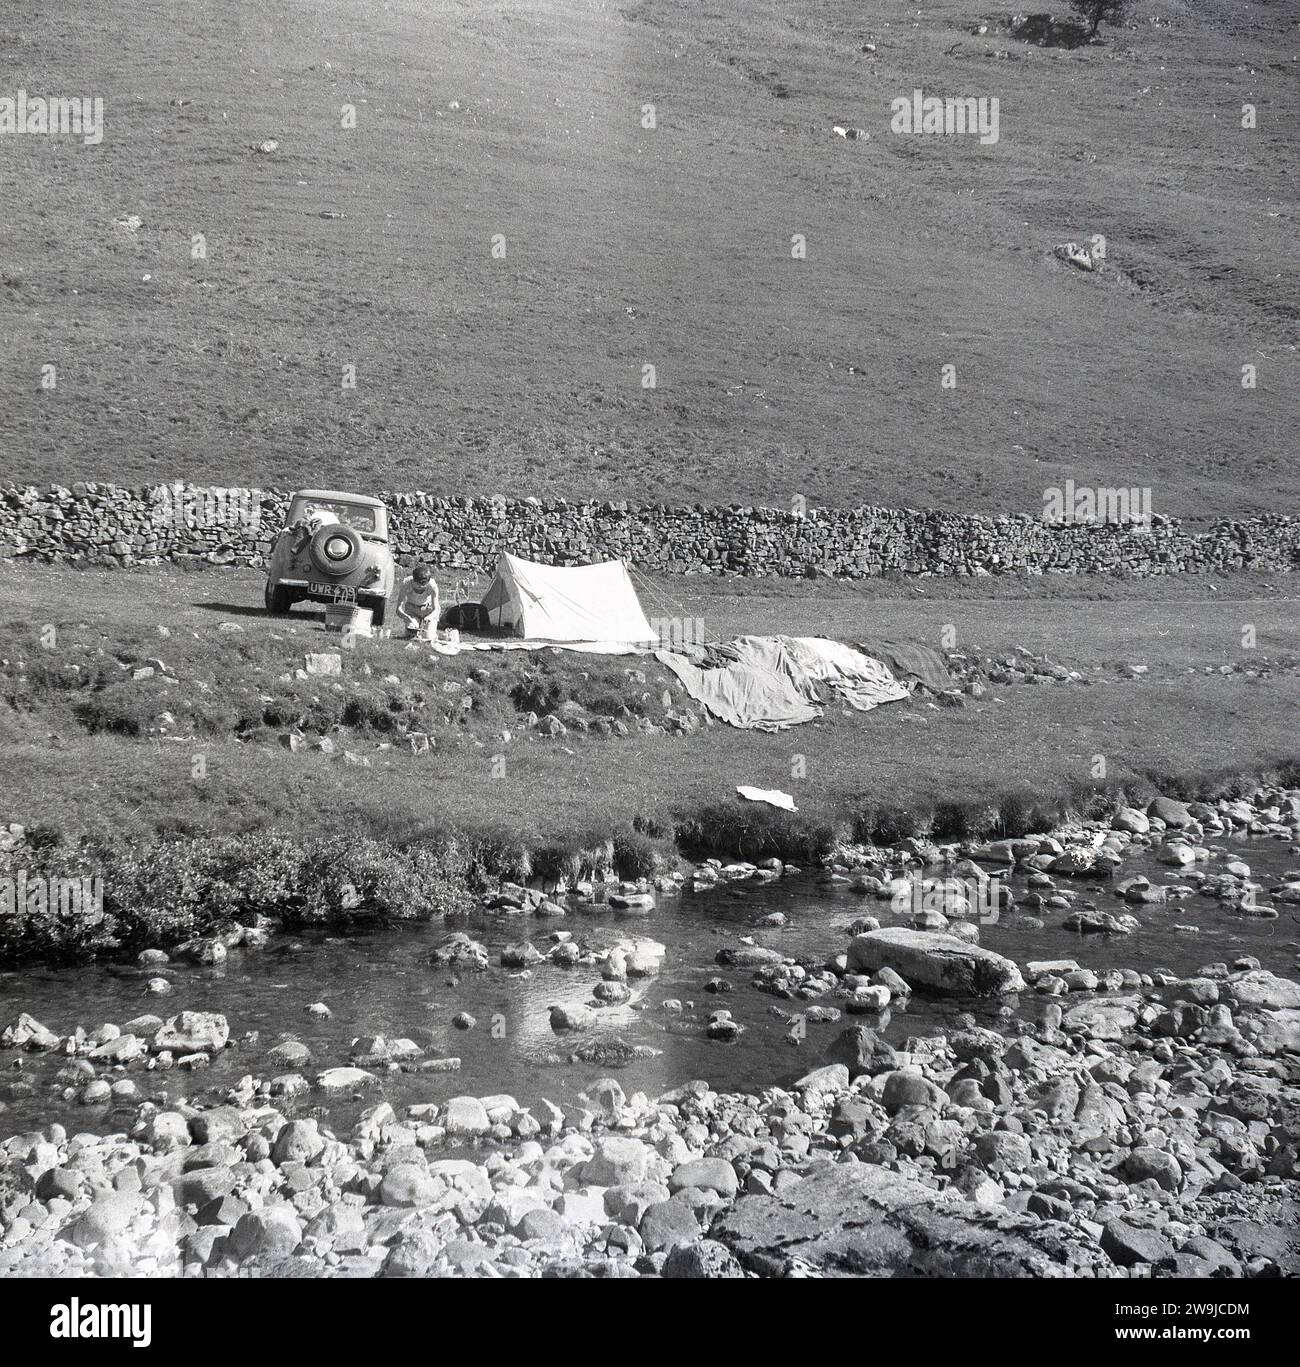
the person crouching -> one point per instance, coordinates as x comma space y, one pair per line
418, 605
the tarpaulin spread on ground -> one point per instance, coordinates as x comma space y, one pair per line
910, 661
768, 683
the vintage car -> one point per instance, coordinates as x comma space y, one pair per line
334, 548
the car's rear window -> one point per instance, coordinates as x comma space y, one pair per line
354, 515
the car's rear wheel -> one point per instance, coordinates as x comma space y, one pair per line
278, 599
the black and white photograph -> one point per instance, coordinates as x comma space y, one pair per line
649, 641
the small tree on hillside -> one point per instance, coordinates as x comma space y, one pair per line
1098, 12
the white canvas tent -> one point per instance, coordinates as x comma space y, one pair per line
592, 606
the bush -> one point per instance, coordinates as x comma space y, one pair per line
341, 879
887, 825
555, 863
756, 831
160, 892
636, 855
972, 820
496, 852
1015, 815
42, 928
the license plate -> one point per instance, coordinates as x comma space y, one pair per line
338, 593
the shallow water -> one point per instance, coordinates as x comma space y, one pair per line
382, 983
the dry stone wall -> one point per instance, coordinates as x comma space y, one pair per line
109, 524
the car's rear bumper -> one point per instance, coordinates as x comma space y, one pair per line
325, 592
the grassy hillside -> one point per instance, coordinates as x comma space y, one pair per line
625, 247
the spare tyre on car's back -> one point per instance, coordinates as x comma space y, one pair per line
336, 550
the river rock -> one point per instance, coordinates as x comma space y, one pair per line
193, 1032
1262, 989
705, 1259
1003, 1151
466, 1117
407, 1186
1129, 1243
345, 1079
933, 962
910, 1089
627, 1204
1090, 922
123, 1049
167, 1131
868, 999
298, 1141
669, 1224
831, 1077
721, 1026
289, 1053
571, 1016
469, 1192
712, 1174
28, 1033
632, 903
413, 1254
749, 956
58, 1183
860, 1219
461, 953
1148, 1163
1131, 820
522, 955
617, 1162
1104, 1020
860, 1050
201, 1185
1275, 1032
273, 1232
107, 1216
1173, 813
218, 1124
540, 1223
208, 950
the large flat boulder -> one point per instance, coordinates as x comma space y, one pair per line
1260, 988
861, 1220
934, 962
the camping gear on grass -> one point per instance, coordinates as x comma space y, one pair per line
347, 617
768, 683
908, 661
591, 606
